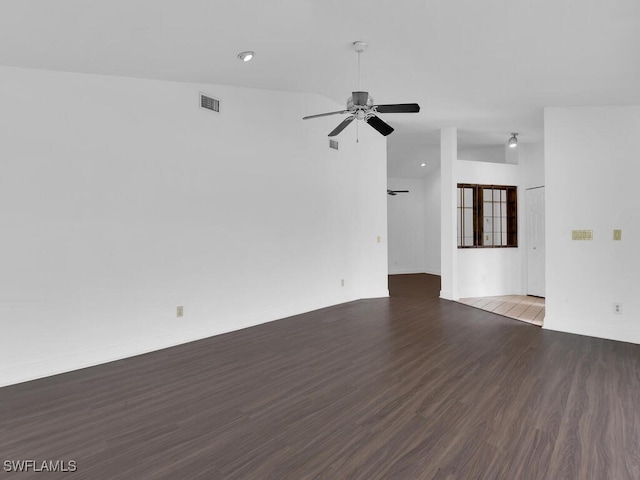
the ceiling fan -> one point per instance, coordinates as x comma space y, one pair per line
360, 106
395, 192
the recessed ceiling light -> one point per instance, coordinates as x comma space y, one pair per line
246, 56
423, 164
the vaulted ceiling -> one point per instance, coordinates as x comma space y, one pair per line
488, 67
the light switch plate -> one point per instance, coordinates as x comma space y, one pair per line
617, 234
582, 235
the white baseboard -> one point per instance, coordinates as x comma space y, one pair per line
20, 372
447, 295
411, 271
405, 271
590, 329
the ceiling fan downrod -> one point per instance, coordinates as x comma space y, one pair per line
359, 47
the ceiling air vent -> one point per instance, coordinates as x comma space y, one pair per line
209, 103
333, 144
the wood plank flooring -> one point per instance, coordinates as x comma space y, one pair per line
409, 387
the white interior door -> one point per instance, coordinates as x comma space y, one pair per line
535, 241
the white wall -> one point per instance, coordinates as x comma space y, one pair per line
406, 226
448, 227
121, 199
531, 156
485, 272
414, 225
488, 153
479, 272
432, 198
591, 172
492, 271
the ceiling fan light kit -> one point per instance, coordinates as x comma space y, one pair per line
360, 106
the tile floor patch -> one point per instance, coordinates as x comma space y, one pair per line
520, 307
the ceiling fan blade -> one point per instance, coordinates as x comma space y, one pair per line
342, 126
398, 108
382, 127
360, 98
325, 114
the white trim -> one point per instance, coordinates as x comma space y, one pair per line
381, 294
447, 295
411, 271
406, 271
595, 330
47, 367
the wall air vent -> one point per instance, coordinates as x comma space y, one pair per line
209, 103
333, 144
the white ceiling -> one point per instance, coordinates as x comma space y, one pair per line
488, 67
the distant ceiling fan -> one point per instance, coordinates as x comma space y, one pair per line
395, 192
360, 106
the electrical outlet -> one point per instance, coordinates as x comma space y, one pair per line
180, 311
378, 239
617, 308
342, 282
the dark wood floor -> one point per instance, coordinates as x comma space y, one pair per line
410, 387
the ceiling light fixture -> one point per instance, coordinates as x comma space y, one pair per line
246, 56
423, 164
513, 141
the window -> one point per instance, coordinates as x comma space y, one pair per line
487, 216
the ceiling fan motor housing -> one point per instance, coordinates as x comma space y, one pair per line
361, 99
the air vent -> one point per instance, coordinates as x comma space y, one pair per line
209, 103
333, 144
